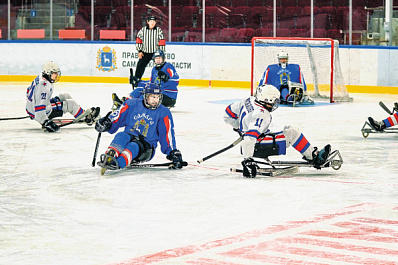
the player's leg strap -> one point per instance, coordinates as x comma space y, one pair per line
268, 146
146, 149
56, 105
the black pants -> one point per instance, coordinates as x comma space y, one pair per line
142, 63
168, 101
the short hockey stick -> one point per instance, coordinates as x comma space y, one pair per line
76, 120
269, 174
96, 149
67, 123
167, 164
16, 118
97, 143
385, 108
131, 74
237, 141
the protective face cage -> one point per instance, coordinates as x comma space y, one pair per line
283, 55
152, 89
49, 69
157, 54
271, 106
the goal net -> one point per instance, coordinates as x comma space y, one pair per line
318, 59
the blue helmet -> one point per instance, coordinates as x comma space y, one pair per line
152, 89
159, 53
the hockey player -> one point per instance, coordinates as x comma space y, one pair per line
386, 123
164, 74
146, 122
280, 74
43, 108
252, 117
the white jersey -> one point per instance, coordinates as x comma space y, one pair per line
250, 118
38, 96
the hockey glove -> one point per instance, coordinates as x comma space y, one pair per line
237, 130
176, 157
163, 76
103, 124
249, 168
50, 126
134, 81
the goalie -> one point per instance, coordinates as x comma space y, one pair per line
252, 117
42, 107
288, 78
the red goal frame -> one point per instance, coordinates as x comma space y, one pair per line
308, 39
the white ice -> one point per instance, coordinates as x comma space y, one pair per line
57, 209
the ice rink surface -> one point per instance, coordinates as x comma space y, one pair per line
57, 209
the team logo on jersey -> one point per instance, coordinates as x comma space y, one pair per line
106, 59
284, 77
142, 126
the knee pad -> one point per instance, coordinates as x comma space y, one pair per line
146, 151
291, 135
70, 105
64, 96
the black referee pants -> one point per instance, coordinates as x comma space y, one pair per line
142, 63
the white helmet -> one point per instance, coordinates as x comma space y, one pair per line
48, 69
283, 55
268, 96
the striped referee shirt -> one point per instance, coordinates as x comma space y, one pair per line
150, 40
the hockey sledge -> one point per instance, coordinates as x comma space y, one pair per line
367, 129
276, 168
105, 157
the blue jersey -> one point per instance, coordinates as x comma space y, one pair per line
276, 75
169, 88
155, 125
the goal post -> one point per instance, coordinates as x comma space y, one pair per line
318, 59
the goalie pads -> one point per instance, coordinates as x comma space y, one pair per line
296, 91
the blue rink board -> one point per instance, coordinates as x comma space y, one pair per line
230, 101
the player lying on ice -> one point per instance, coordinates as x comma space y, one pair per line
386, 123
289, 79
164, 74
43, 108
146, 122
252, 117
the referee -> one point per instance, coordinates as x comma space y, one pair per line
149, 39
